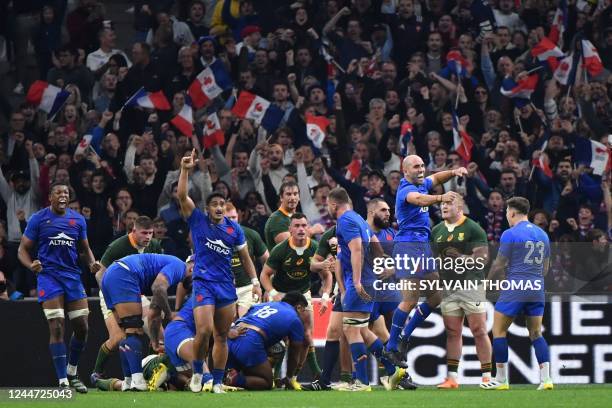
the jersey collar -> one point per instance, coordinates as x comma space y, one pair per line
281, 210
451, 227
292, 245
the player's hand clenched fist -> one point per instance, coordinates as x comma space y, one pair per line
460, 172
36, 266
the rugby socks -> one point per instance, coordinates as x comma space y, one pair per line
346, 377
376, 349
217, 374
313, 364
125, 366
360, 359
452, 366
278, 368
330, 357
132, 346
397, 325
206, 377
485, 369
543, 355
420, 314
58, 353
76, 347
103, 355
198, 366
500, 350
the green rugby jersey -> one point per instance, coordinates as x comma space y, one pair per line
292, 266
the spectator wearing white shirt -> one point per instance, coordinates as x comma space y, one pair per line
97, 60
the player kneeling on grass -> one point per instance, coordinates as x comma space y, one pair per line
460, 237
524, 252
263, 326
122, 285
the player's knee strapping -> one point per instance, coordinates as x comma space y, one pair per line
54, 313
131, 322
355, 321
73, 314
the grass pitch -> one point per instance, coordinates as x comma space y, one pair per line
519, 396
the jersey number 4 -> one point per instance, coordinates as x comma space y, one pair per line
535, 252
265, 312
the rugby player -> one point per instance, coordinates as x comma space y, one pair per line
276, 229
524, 253
60, 234
257, 250
139, 240
267, 324
354, 242
336, 345
122, 285
460, 237
215, 239
412, 240
288, 269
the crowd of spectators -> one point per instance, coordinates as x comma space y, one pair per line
367, 65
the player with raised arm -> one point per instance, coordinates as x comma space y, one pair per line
354, 243
263, 326
288, 269
524, 253
412, 240
457, 237
215, 239
60, 235
139, 240
122, 285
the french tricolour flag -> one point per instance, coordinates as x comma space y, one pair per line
592, 153
213, 134
183, 121
559, 24
548, 53
152, 100
251, 106
543, 162
520, 91
47, 97
592, 61
209, 84
316, 129
566, 71
462, 142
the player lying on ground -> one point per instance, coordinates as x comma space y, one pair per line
460, 237
265, 325
139, 240
524, 252
122, 285
60, 235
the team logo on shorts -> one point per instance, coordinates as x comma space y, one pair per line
199, 298
41, 293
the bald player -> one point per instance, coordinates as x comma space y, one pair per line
412, 242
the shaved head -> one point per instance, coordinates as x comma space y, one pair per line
414, 169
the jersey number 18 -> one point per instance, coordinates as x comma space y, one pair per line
265, 311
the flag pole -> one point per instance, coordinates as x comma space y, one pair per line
531, 71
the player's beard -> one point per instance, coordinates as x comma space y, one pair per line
380, 223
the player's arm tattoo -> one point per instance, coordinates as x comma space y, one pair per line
498, 267
293, 357
545, 266
159, 302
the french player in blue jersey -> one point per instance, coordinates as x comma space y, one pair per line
412, 212
524, 254
263, 326
215, 238
355, 240
61, 236
122, 285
